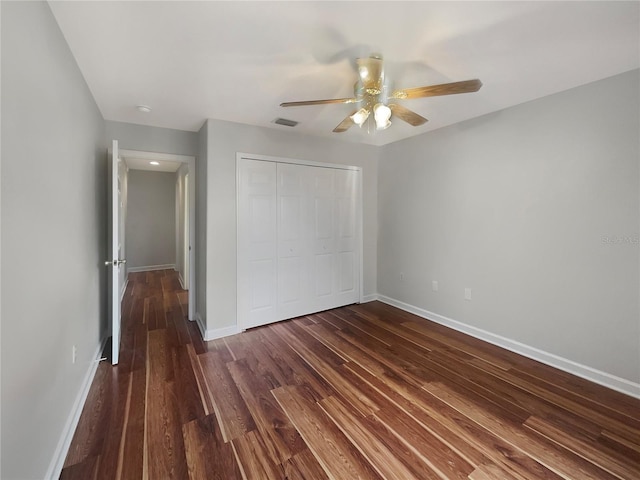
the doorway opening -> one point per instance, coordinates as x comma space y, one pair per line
159, 211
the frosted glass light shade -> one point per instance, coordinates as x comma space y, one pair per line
382, 114
360, 116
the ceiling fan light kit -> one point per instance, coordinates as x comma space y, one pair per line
371, 92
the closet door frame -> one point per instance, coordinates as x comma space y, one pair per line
242, 323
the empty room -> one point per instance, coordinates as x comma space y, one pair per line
320, 240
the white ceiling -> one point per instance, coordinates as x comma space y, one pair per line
238, 61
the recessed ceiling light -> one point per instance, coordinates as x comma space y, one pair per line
143, 108
154, 163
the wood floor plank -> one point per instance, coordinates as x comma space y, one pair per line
196, 337
231, 411
191, 405
490, 472
134, 434
111, 455
631, 449
175, 317
279, 436
338, 457
166, 456
304, 466
438, 456
477, 444
377, 454
427, 332
345, 349
208, 456
89, 437
291, 369
84, 470
359, 324
357, 399
625, 427
492, 354
615, 464
545, 452
411, 460
558, 394
255, 458
196, 366
364, 391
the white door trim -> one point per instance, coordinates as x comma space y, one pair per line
191, 162
359, 211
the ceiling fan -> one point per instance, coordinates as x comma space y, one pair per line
371, 93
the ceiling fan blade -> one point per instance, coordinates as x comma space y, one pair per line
466, 86
407, 115
319, 102
345, 124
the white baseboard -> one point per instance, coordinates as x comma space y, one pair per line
214, 333
369, 298
181, 280
57, 462
597, 376
151, 268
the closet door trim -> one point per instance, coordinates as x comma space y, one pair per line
267, 158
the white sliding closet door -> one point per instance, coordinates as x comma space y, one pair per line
257, 238
298, 240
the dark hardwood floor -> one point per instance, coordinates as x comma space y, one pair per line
366, 391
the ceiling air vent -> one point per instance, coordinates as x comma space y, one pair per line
285, 122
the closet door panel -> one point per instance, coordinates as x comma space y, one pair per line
257, 266
293, 226
323, 240
346, 273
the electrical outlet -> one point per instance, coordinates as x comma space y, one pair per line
434, 285
467, 294
74, 354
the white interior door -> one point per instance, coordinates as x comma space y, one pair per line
116, 246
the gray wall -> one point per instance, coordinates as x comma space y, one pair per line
151, 219
152, 139
53, 236
225, 139
201, 223
535, 208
